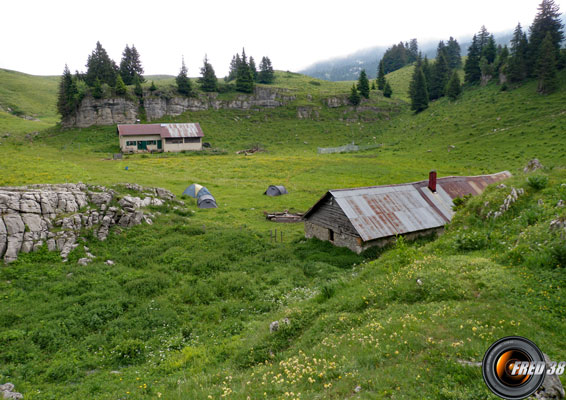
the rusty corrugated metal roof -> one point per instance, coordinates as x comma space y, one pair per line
382, 211
163, 130
182, 130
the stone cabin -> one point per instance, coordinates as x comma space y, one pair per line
141, 138
361, 218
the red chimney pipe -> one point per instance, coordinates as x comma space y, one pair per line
432, 181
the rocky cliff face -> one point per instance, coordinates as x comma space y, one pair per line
103, 112
122, 111
31, 216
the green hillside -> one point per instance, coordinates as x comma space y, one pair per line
185, 310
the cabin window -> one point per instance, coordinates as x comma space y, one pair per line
331, 235
192, 140
131, 143
174, 140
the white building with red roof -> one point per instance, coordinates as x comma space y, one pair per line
141, 138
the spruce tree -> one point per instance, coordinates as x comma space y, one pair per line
483, 38
208, 80
381, 76
100, 66
373, 86
440, 76
454, 88
266, 74
253, 69
489, 51
427, 71
354, 97
546, 66
453, 55
472, 66
363, 84
418, 91
502, 60
152, 88
68, 94
547, 21
120, 87
387, 91
130, 65
233, 68
517, 70
244, 78
413, 51
183, 82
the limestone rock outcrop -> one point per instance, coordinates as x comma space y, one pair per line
120, 110
111, 111
34, 215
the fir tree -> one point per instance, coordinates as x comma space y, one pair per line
373, 86
418, 91
266, 74
97, 91
427, 71
100, 66
152, 88
454, 88
387, 91
68, 94
208, 80
130, 65
483, 38
253, 69
395, 57
489, 51
120, 87
453, 55
440, 76
234, 64
546, 66
244, 78
183, 82
501, 61
413, 51
547, 21
354, 97
363, 84
381, 76
472, 66
517, 70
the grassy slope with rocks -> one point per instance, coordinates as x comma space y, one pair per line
185, 311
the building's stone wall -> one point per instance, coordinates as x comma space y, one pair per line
355, 243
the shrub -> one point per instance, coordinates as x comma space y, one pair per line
460, 202
558, 253
130, 351
537, 182
471, 241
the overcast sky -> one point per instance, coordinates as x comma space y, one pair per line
39, 37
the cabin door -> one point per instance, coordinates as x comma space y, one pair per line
142, 145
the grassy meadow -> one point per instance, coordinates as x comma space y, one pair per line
185, 311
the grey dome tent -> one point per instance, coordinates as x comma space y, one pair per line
274, 190
206, 201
